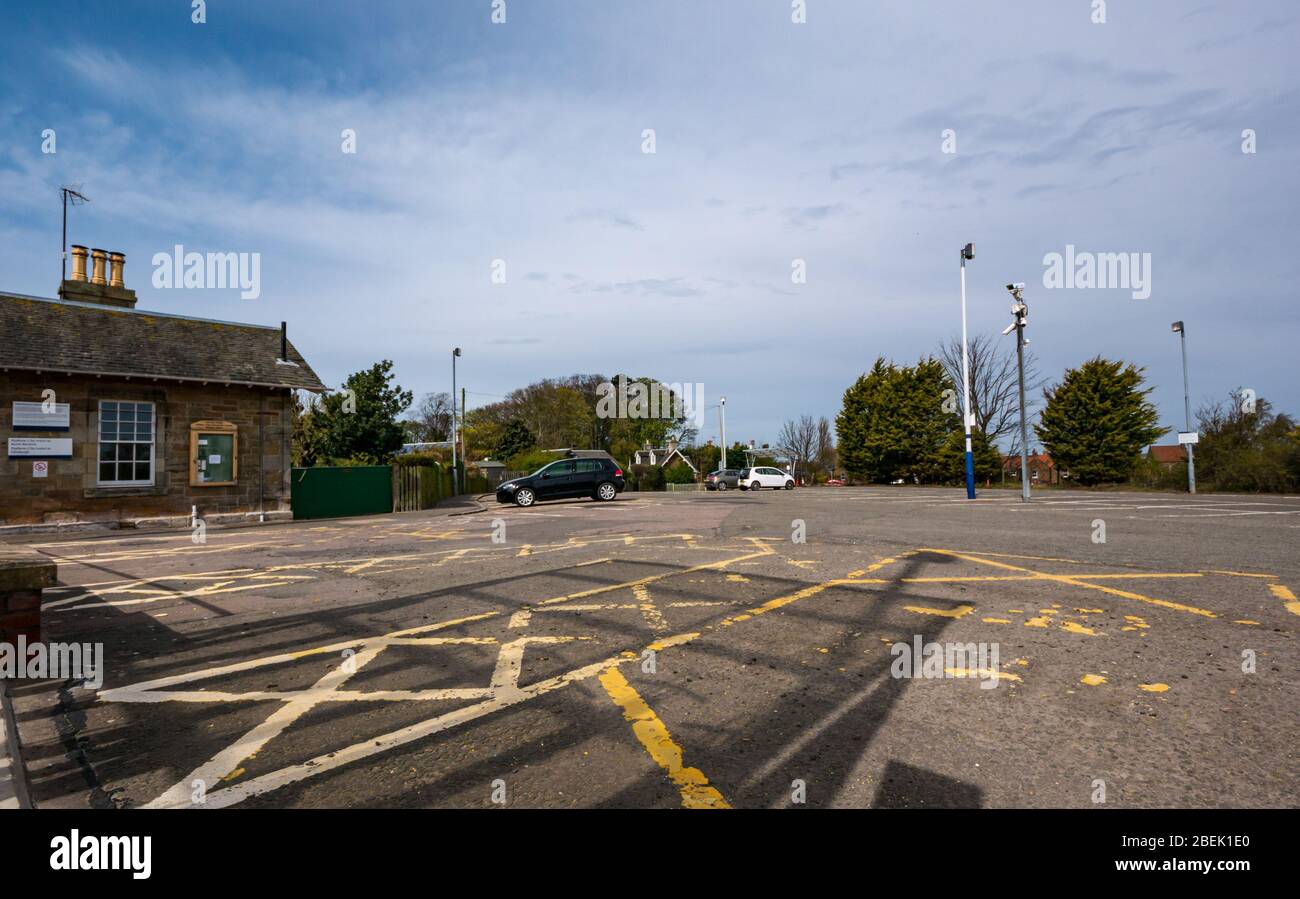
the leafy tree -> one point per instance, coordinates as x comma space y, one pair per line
988, 461
1242, 450
515, 439
1097, 421
895, 421
358, 424
679, 474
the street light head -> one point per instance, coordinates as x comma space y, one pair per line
456, 351
968, 251
1017, 287
1177, 327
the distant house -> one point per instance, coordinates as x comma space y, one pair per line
1042, 470
664, 456
1168, 455
492, 470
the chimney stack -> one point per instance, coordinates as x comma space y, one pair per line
108, 288
79, 254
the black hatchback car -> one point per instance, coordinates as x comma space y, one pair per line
599, 478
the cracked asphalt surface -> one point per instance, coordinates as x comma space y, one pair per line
670, 650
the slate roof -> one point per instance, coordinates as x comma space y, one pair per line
43, 334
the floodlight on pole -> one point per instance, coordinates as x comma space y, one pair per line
1177, 328
722, 415
455, 473
967, 252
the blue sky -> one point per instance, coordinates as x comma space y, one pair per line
774, 142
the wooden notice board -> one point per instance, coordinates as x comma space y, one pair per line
214, 454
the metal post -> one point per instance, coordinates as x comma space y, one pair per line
455, 479
722, 414
1024, 424
1187, 410
967, 252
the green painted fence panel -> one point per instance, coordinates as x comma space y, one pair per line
325, 492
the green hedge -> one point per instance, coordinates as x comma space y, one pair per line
648, 477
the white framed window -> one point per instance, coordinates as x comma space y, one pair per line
126, 436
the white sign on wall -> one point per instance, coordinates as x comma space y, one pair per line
41, 469
40, 447
41, 416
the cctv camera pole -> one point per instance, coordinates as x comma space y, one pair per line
1024, 424
1021, 311
968, 252
455, 477
722, 415
1187, 408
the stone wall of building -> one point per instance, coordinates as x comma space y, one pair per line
71, 491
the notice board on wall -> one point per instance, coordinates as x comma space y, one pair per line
214, 454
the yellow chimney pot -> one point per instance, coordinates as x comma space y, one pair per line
79, 254
97, 259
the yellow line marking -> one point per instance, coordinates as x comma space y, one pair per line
1068, 579
958, 612
982, 673
1240, 573
973, 552
649, 611
1154, 688
650, 579
1076, 628
1288, 598
1092, 680
690, 782
997, 620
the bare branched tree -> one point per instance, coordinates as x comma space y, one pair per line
993, 384
432, 417
798, 442
825, 459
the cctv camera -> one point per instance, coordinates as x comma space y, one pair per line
1014, 287
1008, 329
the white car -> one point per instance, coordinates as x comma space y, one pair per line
757, 478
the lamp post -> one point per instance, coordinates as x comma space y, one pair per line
1187, 407
967, 252
455, 473
722, 415
1020, 310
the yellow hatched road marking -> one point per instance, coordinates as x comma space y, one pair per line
1070, 579
694, 787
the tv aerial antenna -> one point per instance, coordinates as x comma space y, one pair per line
71, 195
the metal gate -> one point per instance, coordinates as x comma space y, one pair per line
326, 492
